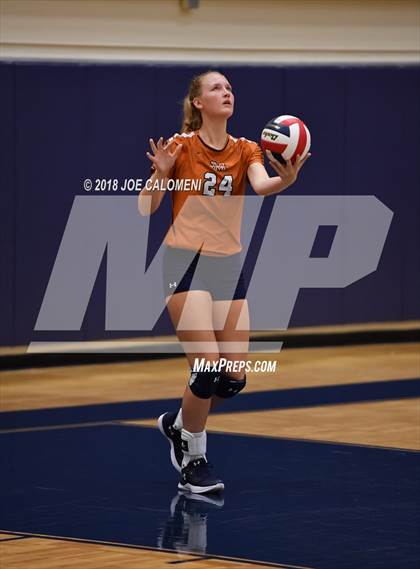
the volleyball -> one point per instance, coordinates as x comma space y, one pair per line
287, 137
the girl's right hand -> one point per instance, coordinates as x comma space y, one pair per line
163, 158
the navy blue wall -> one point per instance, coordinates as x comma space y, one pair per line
63, 122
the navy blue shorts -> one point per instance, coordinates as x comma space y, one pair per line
221, 276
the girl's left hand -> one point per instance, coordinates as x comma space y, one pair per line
288, 172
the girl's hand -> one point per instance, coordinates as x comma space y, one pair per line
163, 158
288, 172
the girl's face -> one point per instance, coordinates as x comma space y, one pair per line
216, 97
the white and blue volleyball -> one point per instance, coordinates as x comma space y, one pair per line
287, 137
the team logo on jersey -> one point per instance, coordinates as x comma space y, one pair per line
217, 166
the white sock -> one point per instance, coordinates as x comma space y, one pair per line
178, 421
196, 446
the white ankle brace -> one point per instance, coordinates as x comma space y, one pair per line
194, 445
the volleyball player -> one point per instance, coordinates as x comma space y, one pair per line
209, 299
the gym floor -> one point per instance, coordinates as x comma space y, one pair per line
320, 462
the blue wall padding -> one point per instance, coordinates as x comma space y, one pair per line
7, 205
63, 122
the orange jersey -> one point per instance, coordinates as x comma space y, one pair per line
216, 179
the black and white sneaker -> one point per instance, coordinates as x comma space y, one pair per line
199, 477
166, 427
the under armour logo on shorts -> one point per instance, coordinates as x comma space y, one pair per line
192, 378
172, 285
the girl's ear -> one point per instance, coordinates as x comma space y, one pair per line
197, 103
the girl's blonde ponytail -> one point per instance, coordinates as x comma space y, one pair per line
192, 119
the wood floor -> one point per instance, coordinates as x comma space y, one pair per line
43, 553
304, 367
388, 424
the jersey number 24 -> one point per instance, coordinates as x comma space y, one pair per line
225, 186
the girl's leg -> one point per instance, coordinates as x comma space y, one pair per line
233, 338
192, 317
191, 314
